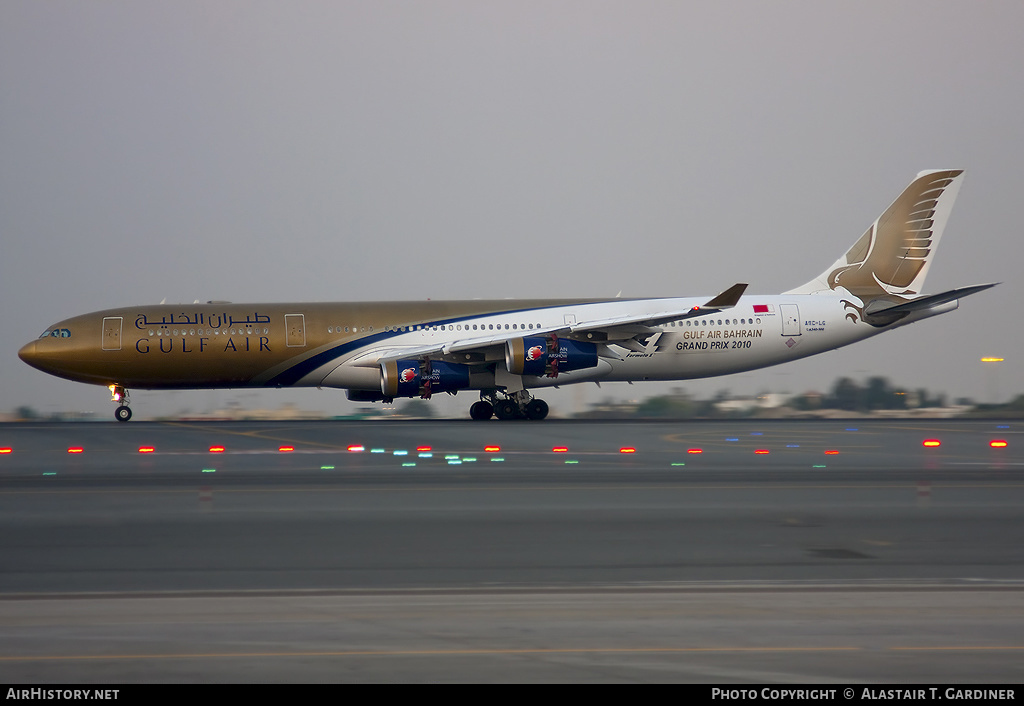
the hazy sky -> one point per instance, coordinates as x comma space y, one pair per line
267, 151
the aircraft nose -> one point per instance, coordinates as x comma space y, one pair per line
29, 353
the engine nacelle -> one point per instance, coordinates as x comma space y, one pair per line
409, 378
548, 355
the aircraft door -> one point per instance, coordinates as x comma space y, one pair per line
112, 333
790, 320
295, 328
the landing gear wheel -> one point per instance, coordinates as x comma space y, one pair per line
123, 414
506, 409
536, 409
481, 411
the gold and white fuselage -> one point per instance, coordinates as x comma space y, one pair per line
504, 348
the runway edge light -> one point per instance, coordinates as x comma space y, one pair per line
931, 443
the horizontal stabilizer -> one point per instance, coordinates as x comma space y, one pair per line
881, 307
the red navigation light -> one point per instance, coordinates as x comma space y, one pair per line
216, 449
831, 452
932, 443
75, 449
424, 448
285, 449
146, 449
5, 450
695, 451
356, 448
627, 450
492, 449
995, 443
761, 451
560, 449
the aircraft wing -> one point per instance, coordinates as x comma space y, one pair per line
613, 329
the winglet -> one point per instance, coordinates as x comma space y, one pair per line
728, 298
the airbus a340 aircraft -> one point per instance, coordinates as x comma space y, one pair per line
506, 349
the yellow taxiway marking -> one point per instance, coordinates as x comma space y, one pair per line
255, 434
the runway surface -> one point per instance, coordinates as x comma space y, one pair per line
782, 551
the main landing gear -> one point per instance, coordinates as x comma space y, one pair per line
120, 395
510, 405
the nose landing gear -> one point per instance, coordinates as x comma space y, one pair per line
120, 395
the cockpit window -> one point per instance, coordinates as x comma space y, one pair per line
56, 333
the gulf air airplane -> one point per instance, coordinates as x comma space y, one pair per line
506, 350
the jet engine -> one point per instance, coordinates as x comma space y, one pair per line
548, 355
409, 378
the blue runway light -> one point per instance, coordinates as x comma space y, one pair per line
792, 446
732, 438
852, 429
757, 433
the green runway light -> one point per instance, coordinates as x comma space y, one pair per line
454, 462
378, 451
469, 459
571, 461
399, 453
678, 464
326, 468
450, 457
209, 470
818, 465
497, 460
49, 473
426, 454
408, 463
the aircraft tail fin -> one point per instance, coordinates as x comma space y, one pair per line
893, 256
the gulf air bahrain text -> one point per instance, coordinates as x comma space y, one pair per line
507, 350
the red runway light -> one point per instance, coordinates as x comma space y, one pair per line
75, 449
285, 449
216, 449
560, 449
932, 443
995, 443
146, 449
356, 448
492, 449
695, 451
831, 452
5, 450
424, 448
761, 451
627, 450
